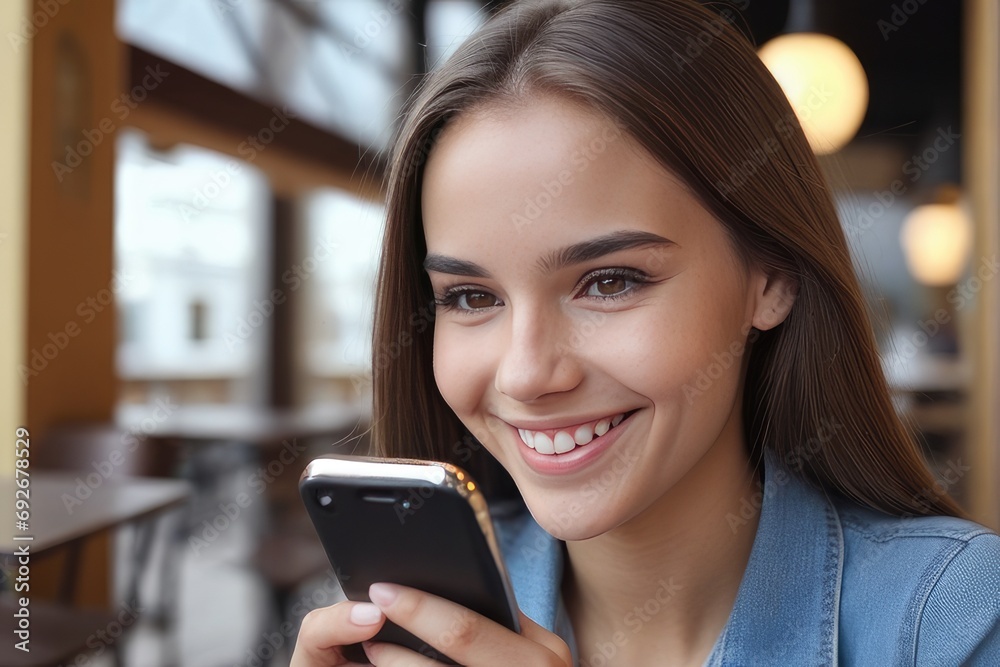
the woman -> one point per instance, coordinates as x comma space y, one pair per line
645, 316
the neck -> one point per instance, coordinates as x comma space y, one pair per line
664, 583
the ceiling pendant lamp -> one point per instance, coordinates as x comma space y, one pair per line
821, 77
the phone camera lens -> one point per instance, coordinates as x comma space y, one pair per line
406, 504
325, 500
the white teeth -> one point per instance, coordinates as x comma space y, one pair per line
543, 444
563, 442
526, 437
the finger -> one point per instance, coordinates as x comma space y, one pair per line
326, 630
539, 635
386, 654
459, 633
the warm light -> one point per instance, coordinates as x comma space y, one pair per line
825, 84
936, 240
470, 486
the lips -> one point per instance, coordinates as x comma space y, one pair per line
561, 441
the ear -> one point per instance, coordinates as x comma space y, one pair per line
774, 296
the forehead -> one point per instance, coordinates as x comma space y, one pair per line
545, 171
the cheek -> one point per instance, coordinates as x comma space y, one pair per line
464, 374
662, 356
460, 369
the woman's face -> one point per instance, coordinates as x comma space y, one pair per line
581, 281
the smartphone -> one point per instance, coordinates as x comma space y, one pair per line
423, 524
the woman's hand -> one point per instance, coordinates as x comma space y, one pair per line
324, 632
464, 636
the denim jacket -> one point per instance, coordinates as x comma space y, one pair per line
828, 583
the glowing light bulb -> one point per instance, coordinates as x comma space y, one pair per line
825, 84
936, 240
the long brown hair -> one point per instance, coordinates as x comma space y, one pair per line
690, 89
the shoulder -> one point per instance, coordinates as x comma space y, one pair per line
931, 582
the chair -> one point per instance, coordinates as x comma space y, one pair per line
58, 633
87, 446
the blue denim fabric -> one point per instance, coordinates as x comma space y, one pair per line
828, 583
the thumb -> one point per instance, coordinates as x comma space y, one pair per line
539, 635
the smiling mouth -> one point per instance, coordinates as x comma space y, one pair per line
563, 441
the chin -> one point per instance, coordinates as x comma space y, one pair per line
572, 527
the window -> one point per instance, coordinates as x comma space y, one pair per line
190, 259
338, 315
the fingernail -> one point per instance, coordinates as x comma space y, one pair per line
382, 594
364, 613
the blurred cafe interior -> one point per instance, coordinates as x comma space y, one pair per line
191, 217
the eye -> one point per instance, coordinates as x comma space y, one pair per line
477, 300
608, 286
612, 284
466, 299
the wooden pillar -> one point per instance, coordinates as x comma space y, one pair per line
77, 104
981, 151
281, 358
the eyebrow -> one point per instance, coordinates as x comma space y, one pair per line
626, 239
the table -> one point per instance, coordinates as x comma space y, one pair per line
265, 432
59, 630
284, 557
240, 423
112, 502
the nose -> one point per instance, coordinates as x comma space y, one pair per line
540, 356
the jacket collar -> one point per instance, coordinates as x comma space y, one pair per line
788, 602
